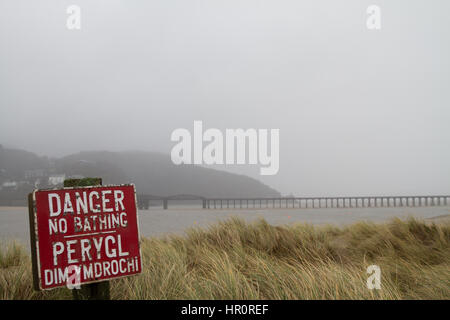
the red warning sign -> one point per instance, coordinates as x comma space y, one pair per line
84, 234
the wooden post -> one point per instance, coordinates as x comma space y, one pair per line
98, 290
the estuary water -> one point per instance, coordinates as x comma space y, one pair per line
176, 220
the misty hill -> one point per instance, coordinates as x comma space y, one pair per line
15, 162
152, 173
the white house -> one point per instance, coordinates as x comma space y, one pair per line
9, 184
56, 179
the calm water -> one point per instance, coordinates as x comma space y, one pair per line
156, 221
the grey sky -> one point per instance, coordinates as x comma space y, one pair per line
359, 111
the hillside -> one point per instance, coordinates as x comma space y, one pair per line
14, 162
152, 173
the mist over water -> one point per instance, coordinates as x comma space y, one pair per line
360, 112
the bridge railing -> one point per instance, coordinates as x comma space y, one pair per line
302, 202
327, 202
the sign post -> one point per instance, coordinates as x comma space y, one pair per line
84, 235
98, 290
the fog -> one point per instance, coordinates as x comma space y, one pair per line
360, 112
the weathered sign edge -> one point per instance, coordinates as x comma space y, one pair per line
34, 239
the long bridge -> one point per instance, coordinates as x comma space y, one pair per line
302, 202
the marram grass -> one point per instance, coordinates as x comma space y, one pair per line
238, 260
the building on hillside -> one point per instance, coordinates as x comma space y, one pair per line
9, 185
56, 179
33, 174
